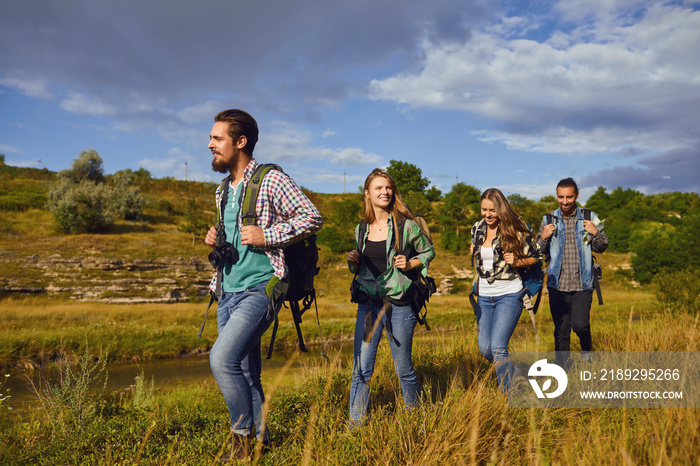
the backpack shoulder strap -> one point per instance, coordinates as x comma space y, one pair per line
549, 218
362, 231
223, 196
400, 222
586, 213
478, 240
248, 212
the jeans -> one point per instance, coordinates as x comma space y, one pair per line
235, 357
497, 317
400, 323
570, 311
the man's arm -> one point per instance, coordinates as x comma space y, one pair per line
544, 235
295, 216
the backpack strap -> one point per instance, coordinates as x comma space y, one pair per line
220, 237
478, 241
586, 213
250, 199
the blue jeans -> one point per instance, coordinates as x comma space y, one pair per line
235, 357
497, 317
401, 324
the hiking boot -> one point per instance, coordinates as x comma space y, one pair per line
240, 449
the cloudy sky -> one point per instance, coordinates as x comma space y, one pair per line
512, 94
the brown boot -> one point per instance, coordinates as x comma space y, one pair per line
240, 449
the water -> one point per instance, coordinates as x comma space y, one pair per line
171, 373
188, 371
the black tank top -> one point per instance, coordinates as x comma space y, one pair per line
375, 256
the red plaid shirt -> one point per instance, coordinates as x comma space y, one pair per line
283, 211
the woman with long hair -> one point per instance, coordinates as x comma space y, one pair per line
389, 245
502, 243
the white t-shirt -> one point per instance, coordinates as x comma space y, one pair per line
498, 287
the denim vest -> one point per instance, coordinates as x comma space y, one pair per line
556, 250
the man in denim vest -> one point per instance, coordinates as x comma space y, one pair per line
569, 236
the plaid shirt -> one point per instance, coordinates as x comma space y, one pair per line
283, 211
501, 270
393, 283
570, 275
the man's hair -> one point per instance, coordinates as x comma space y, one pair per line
240, 123
568, 183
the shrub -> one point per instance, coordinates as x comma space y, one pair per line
73, 400
679, 291
85, 207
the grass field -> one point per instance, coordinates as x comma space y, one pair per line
463, 418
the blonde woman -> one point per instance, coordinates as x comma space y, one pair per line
381, 288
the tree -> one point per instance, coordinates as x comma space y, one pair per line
408, 177
433, 194
83, 207
339, 224
457, 214
83, 202
87, 167
195, 223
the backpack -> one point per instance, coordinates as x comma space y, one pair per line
301, 258
597, 268
422, 288
531, 276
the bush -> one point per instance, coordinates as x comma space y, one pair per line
85, 207
679, 291
339, 225
73, 401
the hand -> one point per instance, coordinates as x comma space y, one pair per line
401, 263
548, 231
210, 239
590, 227
354, 258
509, 257
471, 249
252, 235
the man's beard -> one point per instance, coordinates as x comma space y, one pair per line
219, 165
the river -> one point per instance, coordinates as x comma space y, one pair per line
170, 373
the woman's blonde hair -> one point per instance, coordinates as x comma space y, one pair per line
397, 208
509, 223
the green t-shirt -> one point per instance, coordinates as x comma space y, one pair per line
253, 266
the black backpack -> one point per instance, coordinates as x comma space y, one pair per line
301, 258
597, 268
422, 288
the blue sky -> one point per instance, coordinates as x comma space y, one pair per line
510, 94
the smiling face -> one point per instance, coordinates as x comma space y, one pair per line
566, 197
222, 147
488, 212
380, 195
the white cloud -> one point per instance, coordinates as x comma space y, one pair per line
199, 113
9, 148
289, 145
29, 87
81, 103
602, 85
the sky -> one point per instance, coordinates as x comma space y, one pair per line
508, 94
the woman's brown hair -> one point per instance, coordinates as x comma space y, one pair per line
509, 223
397, 208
